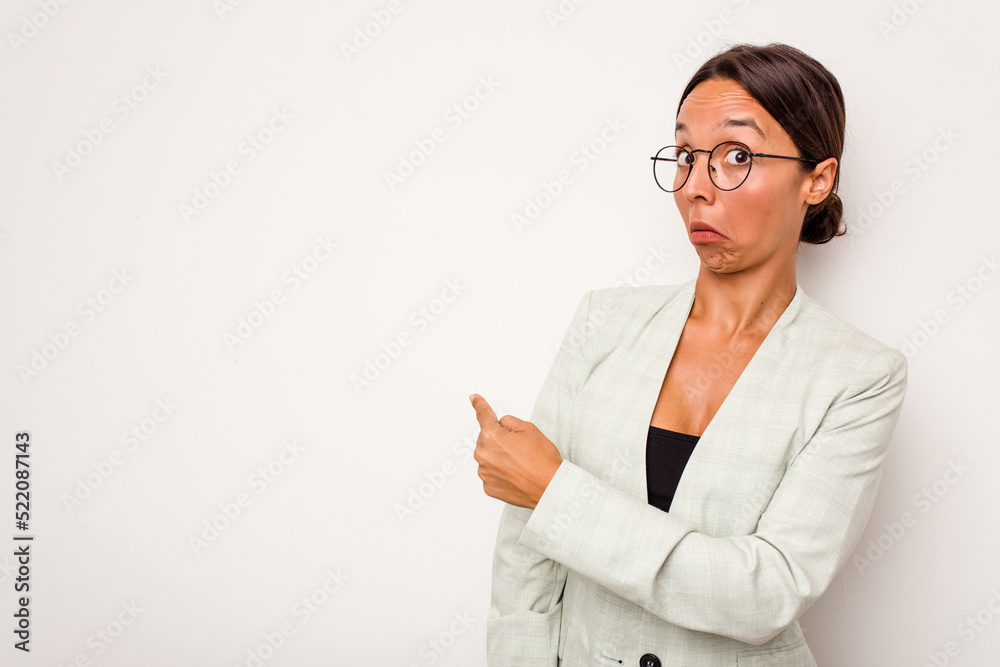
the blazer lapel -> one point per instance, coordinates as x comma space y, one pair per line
650, 358
740, 456
645, 366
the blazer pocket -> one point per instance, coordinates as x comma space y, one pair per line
574, 647
566, 635
790, 655
562, 644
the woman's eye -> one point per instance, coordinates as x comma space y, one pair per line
684, 159
738, 156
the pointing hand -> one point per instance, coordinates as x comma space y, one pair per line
516, 460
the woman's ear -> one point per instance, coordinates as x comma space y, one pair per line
820, 181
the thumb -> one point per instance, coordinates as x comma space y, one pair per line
512, 423
484, 413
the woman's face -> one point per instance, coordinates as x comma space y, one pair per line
759, 222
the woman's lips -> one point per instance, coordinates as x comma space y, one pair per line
702, 233
706, 237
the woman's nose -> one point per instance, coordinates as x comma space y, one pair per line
699, 184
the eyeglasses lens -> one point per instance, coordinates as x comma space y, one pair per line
729, 166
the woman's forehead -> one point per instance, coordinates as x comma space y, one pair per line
719, 104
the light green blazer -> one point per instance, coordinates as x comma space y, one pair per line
771, 504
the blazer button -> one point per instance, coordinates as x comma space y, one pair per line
649, 660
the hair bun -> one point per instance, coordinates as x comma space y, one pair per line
823, 220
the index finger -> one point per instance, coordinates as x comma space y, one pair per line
484, 413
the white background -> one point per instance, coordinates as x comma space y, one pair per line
912, 75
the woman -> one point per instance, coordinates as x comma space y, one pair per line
777, 413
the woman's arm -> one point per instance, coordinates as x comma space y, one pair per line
747, 587
522, 628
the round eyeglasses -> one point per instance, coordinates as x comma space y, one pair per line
729, 165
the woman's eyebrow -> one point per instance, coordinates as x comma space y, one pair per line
729, 122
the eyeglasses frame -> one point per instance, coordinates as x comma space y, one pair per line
709, 164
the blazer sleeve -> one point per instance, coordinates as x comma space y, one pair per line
522, 628
747, 587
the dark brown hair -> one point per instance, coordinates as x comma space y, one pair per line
805, 99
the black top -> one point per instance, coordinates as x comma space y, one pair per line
667, 452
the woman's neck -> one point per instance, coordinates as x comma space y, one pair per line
743, 302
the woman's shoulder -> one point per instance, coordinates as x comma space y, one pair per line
612, 316
828, 339
640, 300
